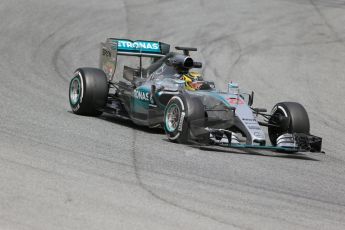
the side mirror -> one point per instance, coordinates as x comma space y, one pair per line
197, 64
211, 84
251, 99
260, 110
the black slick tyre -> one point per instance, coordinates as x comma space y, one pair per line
184, 119
288, 117
88, 91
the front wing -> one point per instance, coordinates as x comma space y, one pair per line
302, 143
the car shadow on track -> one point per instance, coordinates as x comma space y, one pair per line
264, 153
129, 124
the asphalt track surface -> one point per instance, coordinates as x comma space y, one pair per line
63, 171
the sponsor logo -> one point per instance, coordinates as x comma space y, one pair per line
181, 121
140, 95
158, 72
254, 127
260, 135
137, 46
235, 101
106, 53
249, 119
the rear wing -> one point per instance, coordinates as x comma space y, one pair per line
140, 48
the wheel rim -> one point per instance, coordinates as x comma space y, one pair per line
74, 93
172, 117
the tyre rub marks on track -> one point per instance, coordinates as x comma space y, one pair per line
280, 43
165, 201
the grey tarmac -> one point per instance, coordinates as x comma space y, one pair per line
63, 171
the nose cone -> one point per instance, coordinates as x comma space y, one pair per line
248, 124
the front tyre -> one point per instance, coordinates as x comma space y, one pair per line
88, 91
287, 117
175, 124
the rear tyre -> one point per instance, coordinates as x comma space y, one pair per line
290, 117
88, 91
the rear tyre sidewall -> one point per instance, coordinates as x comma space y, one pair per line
92, 87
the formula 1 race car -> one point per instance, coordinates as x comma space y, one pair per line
163, 91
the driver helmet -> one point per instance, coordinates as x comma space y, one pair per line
193, 80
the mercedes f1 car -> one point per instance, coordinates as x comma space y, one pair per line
163, 90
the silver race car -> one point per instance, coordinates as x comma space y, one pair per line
162, 89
